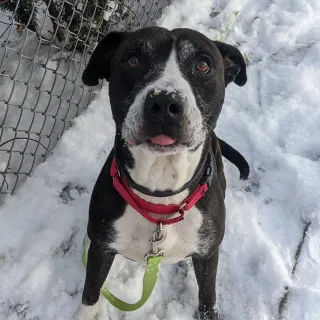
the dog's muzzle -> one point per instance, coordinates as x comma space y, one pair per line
164, 121
164, 115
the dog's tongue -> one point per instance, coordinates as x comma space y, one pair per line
162, 140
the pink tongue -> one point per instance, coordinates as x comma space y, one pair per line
162, 140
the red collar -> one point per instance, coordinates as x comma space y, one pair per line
145, 207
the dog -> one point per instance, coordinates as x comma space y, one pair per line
166, 91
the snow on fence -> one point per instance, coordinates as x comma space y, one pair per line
44, 46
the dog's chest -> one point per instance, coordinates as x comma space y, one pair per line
134, 233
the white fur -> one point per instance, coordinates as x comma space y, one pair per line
134, 233
171, 80
162, 172
87, 312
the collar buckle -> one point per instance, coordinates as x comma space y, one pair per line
181, 211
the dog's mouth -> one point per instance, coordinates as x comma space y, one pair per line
160, 143
163, 145
162, 140
165, 140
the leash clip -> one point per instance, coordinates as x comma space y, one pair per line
158, 236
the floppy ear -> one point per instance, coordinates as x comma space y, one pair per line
234, 64
99, 63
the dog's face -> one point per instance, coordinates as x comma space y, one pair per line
166, 87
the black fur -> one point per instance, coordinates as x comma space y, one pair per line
236, 158
109, 61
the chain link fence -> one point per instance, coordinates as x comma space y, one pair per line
44, 47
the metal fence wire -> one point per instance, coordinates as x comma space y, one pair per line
44, 47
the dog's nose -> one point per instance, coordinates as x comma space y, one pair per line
163, 105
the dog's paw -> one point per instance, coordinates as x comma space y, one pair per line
87, 312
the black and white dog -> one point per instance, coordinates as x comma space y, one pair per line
166, 91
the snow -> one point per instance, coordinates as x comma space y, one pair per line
273, 120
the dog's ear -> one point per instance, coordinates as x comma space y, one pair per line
234, 64
99, 63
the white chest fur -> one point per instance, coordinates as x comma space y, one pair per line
134, 233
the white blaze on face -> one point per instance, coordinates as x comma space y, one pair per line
171, 81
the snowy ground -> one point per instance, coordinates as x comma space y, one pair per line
273, 120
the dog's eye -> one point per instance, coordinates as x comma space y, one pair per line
202, 66
133, 62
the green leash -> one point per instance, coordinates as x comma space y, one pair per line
149, 281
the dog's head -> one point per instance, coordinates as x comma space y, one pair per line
166, 87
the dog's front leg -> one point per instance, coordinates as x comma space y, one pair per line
206, 271
98, 265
